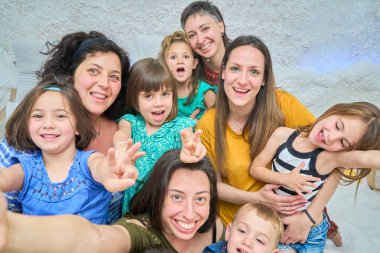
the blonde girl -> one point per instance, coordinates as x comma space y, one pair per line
345, 136
194, 96
61, 178
153, 121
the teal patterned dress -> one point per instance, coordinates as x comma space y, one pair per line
166, 138
197, 102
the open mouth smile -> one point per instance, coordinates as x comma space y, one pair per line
98, 95
241, 91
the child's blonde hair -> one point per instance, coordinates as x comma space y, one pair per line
265, 212
369, 114
148, 75
180, 36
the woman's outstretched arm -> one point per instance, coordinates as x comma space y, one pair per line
66, 233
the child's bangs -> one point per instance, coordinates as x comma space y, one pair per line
156, 81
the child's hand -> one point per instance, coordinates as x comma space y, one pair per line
192, 148
122, 170
122, 147
298, 182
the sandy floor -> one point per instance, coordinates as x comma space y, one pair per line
359, 222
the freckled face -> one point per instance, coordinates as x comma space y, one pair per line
187, 204
337, 133
98, 81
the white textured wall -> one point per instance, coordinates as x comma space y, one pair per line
324, 51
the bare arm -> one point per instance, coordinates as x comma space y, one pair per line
11, 178
39, 234
265, 195
359, 159
122, 135
209, 98
234, 195
293, 180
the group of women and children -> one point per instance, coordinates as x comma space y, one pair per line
101, 157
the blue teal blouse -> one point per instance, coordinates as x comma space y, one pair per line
197, 102
166, 138
78, 194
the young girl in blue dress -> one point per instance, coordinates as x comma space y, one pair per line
61, 179
153, 121
345, 136
194, 96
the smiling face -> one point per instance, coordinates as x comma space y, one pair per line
98, 81
181, 62
155, 107
243, 77
204, 35
337, 133
187, 204
249, 233
51, 123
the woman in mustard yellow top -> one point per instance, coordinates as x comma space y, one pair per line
248, 109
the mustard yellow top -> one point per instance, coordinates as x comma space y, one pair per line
237, 152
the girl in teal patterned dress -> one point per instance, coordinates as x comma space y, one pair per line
194, 96
152, 120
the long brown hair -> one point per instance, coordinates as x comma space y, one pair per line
265, 117
369, 114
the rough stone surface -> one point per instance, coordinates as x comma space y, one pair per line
323, 51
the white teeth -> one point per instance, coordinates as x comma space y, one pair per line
98, 95
241, 90
186, 225
49, 135
206, 46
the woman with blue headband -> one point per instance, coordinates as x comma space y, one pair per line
99, 71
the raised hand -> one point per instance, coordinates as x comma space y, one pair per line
192, 148
300, 183
122, 171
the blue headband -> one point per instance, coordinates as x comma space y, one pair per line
54, 88
87, 44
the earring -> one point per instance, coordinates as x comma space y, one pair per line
263, 84
222, 33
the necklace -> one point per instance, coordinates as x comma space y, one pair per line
211, 76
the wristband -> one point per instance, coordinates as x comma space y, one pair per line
309, 216
120, 143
